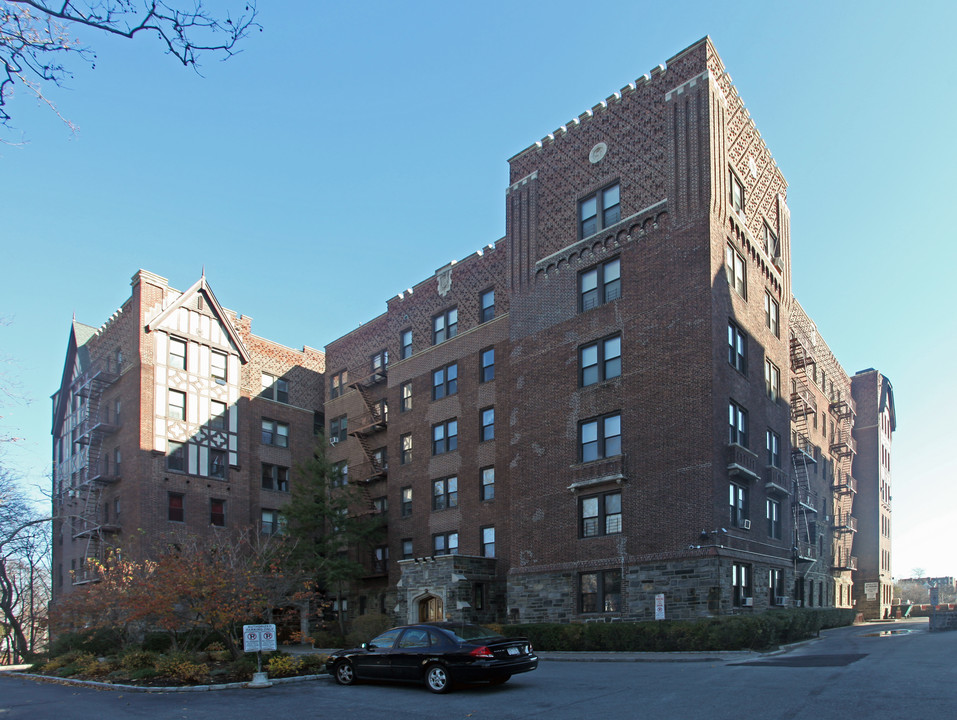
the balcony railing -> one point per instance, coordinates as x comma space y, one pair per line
844, 561
845, 523
742, 462
776, 480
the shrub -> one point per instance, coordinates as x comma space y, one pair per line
328, 639
180, 666
244, 668
104, 641
365, 627
734, 632
217, 652
145, 673
135, 659
158, 642
69, 658
95, 667
314, 664
283, 665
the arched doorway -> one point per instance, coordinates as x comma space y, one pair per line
430, 609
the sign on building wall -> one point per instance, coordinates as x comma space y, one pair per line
870, 590
660, 606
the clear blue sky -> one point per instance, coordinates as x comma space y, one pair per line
369, 141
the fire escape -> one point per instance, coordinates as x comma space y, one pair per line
843, 448
803, 406
90, 522
376, 467
373, 424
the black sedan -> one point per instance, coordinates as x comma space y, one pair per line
437, 654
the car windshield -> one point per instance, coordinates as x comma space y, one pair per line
469, 633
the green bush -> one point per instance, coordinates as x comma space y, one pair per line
158, 642
365, 627
105, 641
144, 673
135, 659
244, 668
760, 631
181, 666
283, 665
314, 664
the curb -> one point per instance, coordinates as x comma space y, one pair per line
171, 689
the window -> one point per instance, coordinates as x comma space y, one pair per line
406, 501
175, 510
737, 193
338, 429
177, 405
600, 591
382, 410
446, 543
600, 515
380, 559
487, 358
488, 542
735, 268
487, 431
738, 424
407, 549
737, 348
445, 437
217, 415
772, 314
217, 464
380, 361
599, 211
445, 326
380, 458
406, 401
380, 505
487, 301
405, 445
275, 477
337, 383
273, 522
445, 493
274, 388
445, 381
740, 583
340, 473
774, 448
275, 433
772, 380
738, 499
405, 338
217, 513
175, 457
177, 354
217, 365
771, 245
600, 361
488, 483
117, 412
773, 511
600, 284
600, 438
775, 585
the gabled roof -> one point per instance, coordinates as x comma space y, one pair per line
201, 286
80, 335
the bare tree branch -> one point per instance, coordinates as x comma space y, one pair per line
36, 37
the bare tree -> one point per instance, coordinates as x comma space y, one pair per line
37, 37
24, 570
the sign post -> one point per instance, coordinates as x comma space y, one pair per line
257, 638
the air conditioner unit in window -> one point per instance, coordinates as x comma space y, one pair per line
747, 602
746, 525
781, 600
333, 441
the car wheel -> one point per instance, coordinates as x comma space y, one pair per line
437, 678
499, 679
344, 673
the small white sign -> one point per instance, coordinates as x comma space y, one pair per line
259, 637
870, 589
660, 606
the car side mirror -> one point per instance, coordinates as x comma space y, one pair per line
367, 646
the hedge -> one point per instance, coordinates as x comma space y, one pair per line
733, 632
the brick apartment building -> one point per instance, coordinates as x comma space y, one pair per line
173, 418
618, 402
